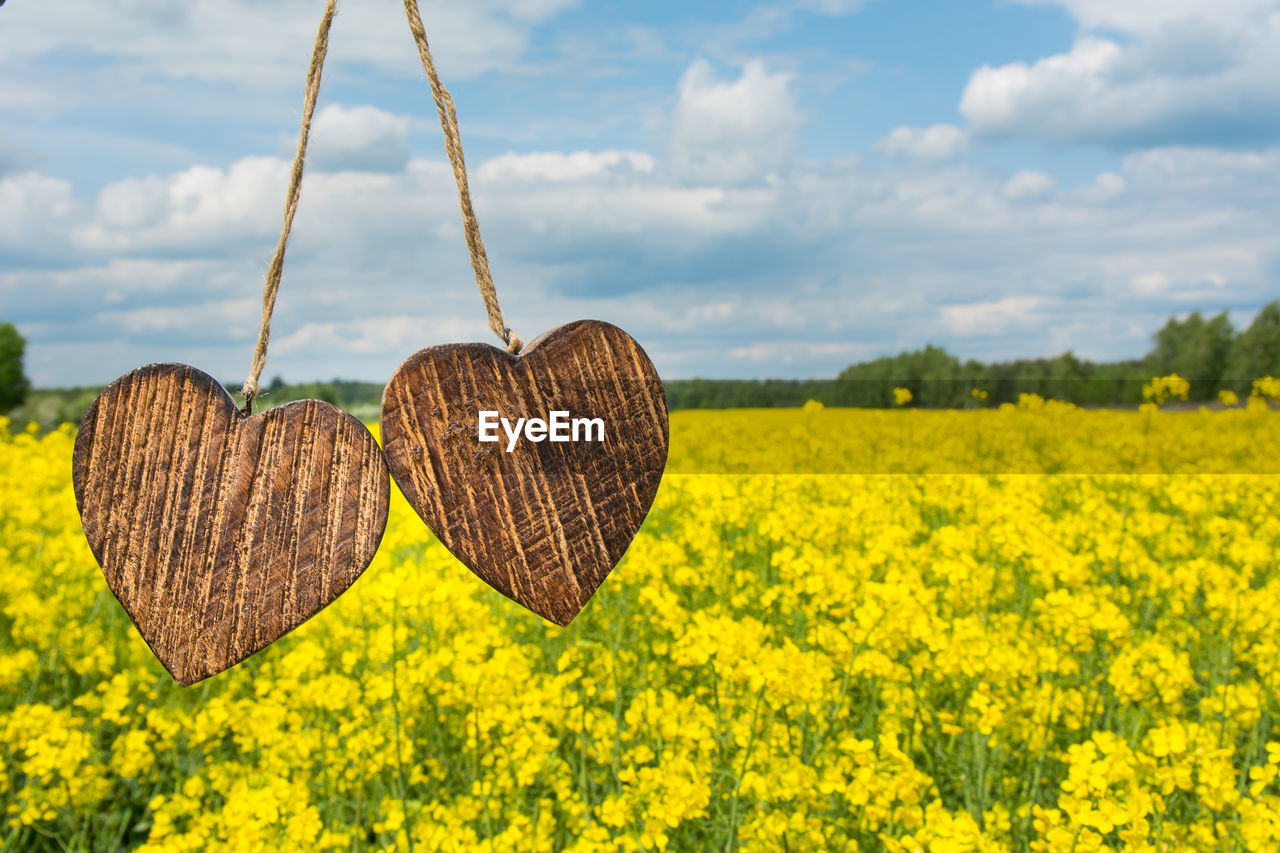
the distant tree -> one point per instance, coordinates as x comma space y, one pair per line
1196, 349
13, 382
1116, 382
352, 393
1207, 352
1032, 377
934, 377
321, 391
1066, 378
1256, 352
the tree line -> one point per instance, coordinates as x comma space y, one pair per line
1208, 352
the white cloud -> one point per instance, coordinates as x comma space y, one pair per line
997, 100
555, 166
1251, 175
991, 318
1141, 16
937, 142
360, 138
733, 131
1028, 184
1150, 284
237, 318
672, 217
726, 256
790, 351
365, 336
35, 210
1105, 187
267, 44
197, 209
719, 248
1142, 73
1202, 288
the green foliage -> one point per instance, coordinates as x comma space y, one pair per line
13, 382
50, 408
1256, 352
362, 399
1196, 349
1208, 353
1068, 378
745, 393
934, 377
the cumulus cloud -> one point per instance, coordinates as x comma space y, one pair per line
990, 318
937, 142
201, 208
732, 131
723, 252
1102, 189
1251, 177
1142, 73
787, 352
1150, 284
1028, 184
361, 138
825, 265
555, 166
1140, 16
35, 213
1199, 289
266, 44
216, 319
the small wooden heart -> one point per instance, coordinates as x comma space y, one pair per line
220, 533
542, 521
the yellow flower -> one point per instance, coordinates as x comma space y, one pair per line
1268, 387
1161, 388
851, 640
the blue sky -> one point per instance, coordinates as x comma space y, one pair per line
768, 189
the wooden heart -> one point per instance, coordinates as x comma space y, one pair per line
544, 522
220, 533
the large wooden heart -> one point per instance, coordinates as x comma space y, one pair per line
545, 521
219, 533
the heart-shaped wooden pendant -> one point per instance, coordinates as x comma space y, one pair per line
535, 470
220, 533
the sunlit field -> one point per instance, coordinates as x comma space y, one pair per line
837, 630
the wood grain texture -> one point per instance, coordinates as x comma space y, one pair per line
220, 533
545, 523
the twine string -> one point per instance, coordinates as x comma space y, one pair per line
453, 147
276, 269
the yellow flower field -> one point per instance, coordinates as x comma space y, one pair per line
837, 630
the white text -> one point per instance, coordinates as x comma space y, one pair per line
557, 427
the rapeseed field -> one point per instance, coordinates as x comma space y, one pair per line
1035, 628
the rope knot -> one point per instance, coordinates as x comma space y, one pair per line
250, 393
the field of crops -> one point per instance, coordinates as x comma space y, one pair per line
837, 630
